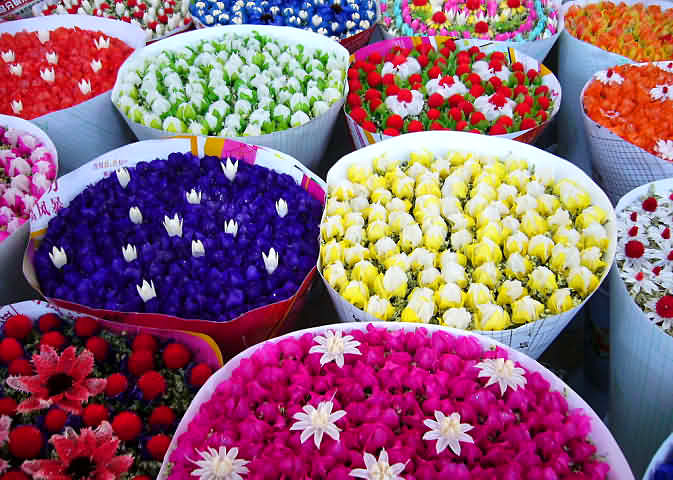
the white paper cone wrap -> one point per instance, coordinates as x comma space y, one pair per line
641, 353
307, 143
577, 62
663, 455
619, 165
532, 338
93, 127
600, 435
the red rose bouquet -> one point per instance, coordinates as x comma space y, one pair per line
81, 401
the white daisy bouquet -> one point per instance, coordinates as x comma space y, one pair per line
475, 239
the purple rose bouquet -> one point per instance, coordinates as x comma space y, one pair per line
185, 236
380, 404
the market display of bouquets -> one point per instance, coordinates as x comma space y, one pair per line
638, 31
28, 165
394, 402
220, 238
83, 398
433, 83
157, 18
469, 232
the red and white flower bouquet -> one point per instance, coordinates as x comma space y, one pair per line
435, 83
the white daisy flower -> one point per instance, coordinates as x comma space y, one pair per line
334, 346
503, 372
318, 421
448, 431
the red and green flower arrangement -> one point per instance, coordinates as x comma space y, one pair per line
80, 402
426, 88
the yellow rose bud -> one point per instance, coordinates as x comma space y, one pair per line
442, 167
484, 251
568, 236
403, 187
449, 206
410, 237
490, 179
595, 235
354, 235
359, 204
544, 175
512, 164
353, 219
592, 214
517, 242
510, 291
492, 213
454, 273
470, 169
335, 207
364, 271
398, 220
376, 230
457, 158
380, 308
391, 284
417, 170
460, 221
356, 293
507, 194
375, 212
535, 189
398, 205
461, 239
510, 225
425, 158
560, 218
533, 224
564, 258
358, 173
382, 164
332, 252
540, 247
476, 205
399, 260
542, 280
430, 278
592, 258
384, 248
422, 258
582, 281
547, 204
428, 187
560, 301
336, 276
492, 231
525, 203
517, 266
449, 295
573, 197
484, 190
454, 186
342, 191
497, 169
426, 206
332, 227
486, 273
526, 310
375, 182
420, 309
434, 237
457, 318
354, 254
518, 178
381, 195
477, 294
491, 317
393, 175
447, 256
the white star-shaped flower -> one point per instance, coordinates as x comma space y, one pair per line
318, 421
448, 431
333, 347
220, 465
379, 469
503, 372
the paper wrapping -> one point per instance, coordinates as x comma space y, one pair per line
663, 455
16, 9
532, 338
537, 49
577, 62
619, 165
362, 138
90, 128
641, 385
307, 143
233, 336
600, 435
12, 283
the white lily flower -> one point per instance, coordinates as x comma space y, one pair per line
270, 261
220, 464
173, 226
130, 253
84, 86
47, 75
52, 58
8, 56
193, 197
229, 169
448, 431
281, 208
198, 250
16, 70
102, 42
147, 291
96, 65
58, 257
135, 215
17, 106
231, 227
315, 422
502, 372
43, 36
333, 346
379, 469
123, 176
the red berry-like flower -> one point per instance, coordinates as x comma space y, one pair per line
369, 126
388, 79
53, 339
14, 475
481, 27
665, 306
10, 349
152, 385
467, 108
374, 103
415, 78
20, 366
176, 355
497, 129
505, 120
144, 341
7, 406
18, 326
162, 416
391, 132
522, 108
94, 414
634, 249
543, 102
666, 233
670, 255
202, 372
140, 362
434, 114
456, 100
657, 270
25, 442
462, 69
353, 73
439, 18
55, 420
415, 126
157, 446
650, 204
456, 113
476, 117
374, 79
395, 121
127, 426
633, 231
98, 346
49, 322
435, 100
86, 327
354, 85
474, 79
542, 90
371, 94
477, 90
527, 123
354, 100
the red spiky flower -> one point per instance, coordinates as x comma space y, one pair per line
61, 380
91, 455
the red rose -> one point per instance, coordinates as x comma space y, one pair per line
10, 349
417, 86
48, 322
634, 249
633, 231
520, 78
435, 100
55, 420
372, 93
433, 114
665, 306
388, 79
86, 327
531, 74
446, 50
499, 56
392, 90
461, 125
25, 442
116, 384
152, 385
145, 341
21, 367
522, 108
140, 362
97, 346
15, 474
437, 126
463, 57
456, 113
359, 115
199, 374
404, 95
439, 60
157, 446
391, 132
477, 90
650, 204
423, 48
543, 102
368, 67
423, 60
666, 233
374, 103
474, 79
542, 90
369, 126
353, 74
467, 108
498, 100
481, 27
94, 414
54, 339
529, 100
395, 121
354, 100
354, 85
375, 58
127, 426
451, 45
162, 416
374, 79
517, 67
505, 120
520, 90
474, 50
477, 117
434, 72
18, 326
542, 116
7, 406
415, 126
399, 60
440, 18
480, 56
497, 129
415, 78
504, 91
495, 82
527, 123
176, 355
456, 99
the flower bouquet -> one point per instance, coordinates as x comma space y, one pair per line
625, 158
271, 86
433, 83
157, 18
351, 22
641, 296
57, 72
390, 401
503, 238
221, 240
661, 465
83, 398
530, 26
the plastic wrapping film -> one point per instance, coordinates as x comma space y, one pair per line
532, 338
362, 138
307, 143
641, 384
90, 128
663, 455
619, 165
577, 62
537, 49
600, 435
233, 336
12, 283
